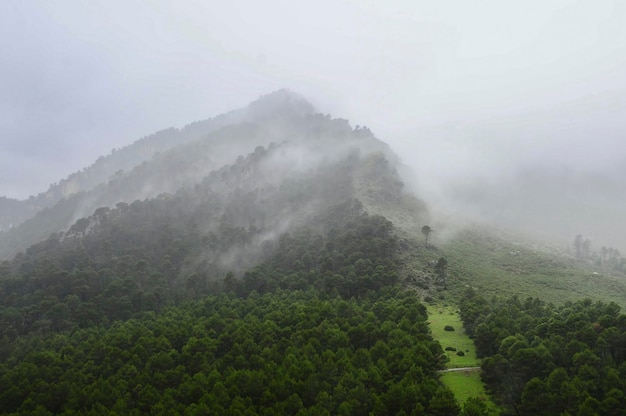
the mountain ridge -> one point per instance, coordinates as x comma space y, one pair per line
279, 115
14, 211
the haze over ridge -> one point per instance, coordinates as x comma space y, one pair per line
484, 92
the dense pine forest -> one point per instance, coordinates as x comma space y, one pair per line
550, 360
317, 328
284, 352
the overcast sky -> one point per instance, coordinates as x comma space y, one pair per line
457, 87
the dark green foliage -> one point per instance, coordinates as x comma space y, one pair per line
474, 406
277, 353
351, 260
542, 359
460, 353
449, 328
262, 287
113, 316
140, 261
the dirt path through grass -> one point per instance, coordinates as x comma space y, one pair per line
468, 369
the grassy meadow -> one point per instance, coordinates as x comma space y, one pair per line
495, 266
464, 384
439, 316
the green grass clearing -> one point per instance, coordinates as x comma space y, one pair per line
439, 316
464, 384
495, 266
468, 384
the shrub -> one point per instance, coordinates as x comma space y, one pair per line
421, 284
450, 349
460, 353
448, 328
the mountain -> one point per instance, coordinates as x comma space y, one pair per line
247, 271
160, 163
281, 104
174, 226
273, 262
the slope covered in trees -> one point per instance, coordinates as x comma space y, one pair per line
316, 328
543, 359
258, 285
288, 352
293, 227
163, 162
313, 329
143, 266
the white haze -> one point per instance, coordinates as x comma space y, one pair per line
473, 93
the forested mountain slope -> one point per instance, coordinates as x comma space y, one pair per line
264, 286
275, 118
295, 200
160, 289
278, 106
183, 245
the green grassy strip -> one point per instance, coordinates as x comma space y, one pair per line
464, 384
441, 316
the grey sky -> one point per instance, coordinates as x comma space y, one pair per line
457, 87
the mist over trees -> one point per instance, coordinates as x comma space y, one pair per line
278, 109
262, 285
607, 259
270, 261
196, 151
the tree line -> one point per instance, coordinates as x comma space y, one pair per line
286, 352
608, 258
102, 322
550, 360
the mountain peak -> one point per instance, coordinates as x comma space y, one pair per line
282, 103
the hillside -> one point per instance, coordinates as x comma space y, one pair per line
497, 263
274, 265
278, 107
260, 284
193, 153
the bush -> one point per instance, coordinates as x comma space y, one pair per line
421, 284
448, 328
450, 349
460, 353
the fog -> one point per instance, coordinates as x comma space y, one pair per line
485, 99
